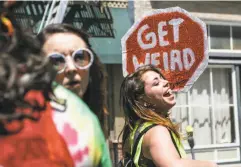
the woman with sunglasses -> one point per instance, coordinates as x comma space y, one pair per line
80, 71
79, 68
146, 99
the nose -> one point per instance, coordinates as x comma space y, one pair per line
70, 66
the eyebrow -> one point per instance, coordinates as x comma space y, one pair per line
155, 79
162, 77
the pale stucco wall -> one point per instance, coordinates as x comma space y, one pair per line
217, 11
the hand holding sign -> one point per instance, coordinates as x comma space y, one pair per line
170, 39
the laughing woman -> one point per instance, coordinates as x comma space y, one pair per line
146, 99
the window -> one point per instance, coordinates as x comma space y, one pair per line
236, 38
220, 37
224, 37
211, 108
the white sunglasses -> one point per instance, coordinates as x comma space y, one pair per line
83, 58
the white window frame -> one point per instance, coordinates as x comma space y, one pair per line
223, 52
215, 147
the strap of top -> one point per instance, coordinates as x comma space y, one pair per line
136, 140
139, 133
175, 144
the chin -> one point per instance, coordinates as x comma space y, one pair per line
170, 105
80, 95
173, 103
78, 92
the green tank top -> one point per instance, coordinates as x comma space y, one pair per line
139, 159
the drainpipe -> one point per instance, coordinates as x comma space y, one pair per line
237, 70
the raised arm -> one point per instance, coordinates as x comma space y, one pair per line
158, 146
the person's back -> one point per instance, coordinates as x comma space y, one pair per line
34, 142
28, 136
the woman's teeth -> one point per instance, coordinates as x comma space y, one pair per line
168, 93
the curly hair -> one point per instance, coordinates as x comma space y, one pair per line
22, 69
95, 95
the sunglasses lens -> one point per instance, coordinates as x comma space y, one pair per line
82, 58
58, 61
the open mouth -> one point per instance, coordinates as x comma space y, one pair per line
168, 93
72, 83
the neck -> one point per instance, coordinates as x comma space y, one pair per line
163, 113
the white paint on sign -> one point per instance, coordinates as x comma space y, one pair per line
165, 61
179, 60
188, 53
151, 37
162, 33
175, 59
176, 23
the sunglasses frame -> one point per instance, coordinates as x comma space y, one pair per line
72, 56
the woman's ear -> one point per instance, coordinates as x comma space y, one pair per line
147, 102
146, 99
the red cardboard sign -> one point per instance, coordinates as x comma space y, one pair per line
171, 39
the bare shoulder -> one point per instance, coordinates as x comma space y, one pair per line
156, 137
156, 132
157, 145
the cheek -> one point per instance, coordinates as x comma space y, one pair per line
147, 92
85, 77
150, 94
155, 94
59, 78
84, 74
